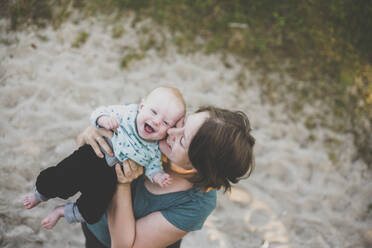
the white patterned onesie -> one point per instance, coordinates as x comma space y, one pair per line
126, 142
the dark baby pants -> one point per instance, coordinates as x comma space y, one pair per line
83, 171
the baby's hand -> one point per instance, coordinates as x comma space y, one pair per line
162, 178
108, 122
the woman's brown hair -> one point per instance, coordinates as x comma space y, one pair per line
222, 149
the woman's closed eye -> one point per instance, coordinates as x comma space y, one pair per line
154, 112
182, 141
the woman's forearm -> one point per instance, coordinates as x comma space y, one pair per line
121, 220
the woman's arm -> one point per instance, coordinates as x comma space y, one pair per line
120, 213
152, 230
120, 218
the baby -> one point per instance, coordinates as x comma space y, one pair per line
136, 138
137, 130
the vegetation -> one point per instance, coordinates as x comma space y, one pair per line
80, 39
324, 45
117, 32
130, 57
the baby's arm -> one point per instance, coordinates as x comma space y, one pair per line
161, 178
108, 122
154, 171
107, 117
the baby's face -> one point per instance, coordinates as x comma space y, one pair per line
157, 114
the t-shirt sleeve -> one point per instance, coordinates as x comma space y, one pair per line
190, 216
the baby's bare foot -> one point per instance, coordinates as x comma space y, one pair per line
30, 201
51, 220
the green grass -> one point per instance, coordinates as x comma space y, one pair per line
129, 58
324, 45
117, 32
80, 39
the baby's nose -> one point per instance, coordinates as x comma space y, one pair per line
157, 121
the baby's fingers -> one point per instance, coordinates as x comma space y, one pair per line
115, 124
110, 123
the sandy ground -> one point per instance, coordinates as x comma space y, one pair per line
296, 197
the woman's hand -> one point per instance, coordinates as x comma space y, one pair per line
131, 171
94, 137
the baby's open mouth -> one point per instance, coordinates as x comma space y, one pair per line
148, 128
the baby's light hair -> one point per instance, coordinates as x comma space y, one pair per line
174, 91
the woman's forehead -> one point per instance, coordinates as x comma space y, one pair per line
197, 116
193, 122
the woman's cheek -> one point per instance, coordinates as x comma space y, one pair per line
164, 148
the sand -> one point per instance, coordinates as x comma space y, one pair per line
296, 197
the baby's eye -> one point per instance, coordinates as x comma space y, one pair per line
153, 111
166, 123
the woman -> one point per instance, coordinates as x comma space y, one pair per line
211, 149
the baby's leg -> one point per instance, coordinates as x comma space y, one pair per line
70, 175
51, 220
30, 201
162, 179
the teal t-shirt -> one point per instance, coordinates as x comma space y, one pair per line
186, 210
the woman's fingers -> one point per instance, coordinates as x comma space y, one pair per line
129, 172
100, 133
80, 140
127, 169
120, 174
118, 170
93, 143
136, 169
139, 171
105, 133
94, 137
87, 137
83, 136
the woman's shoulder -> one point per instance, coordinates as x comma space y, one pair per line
192, 199
190, 215
195, 202
205, 200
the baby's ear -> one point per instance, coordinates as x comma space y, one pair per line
142, 104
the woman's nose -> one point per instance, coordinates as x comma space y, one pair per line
174, 131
